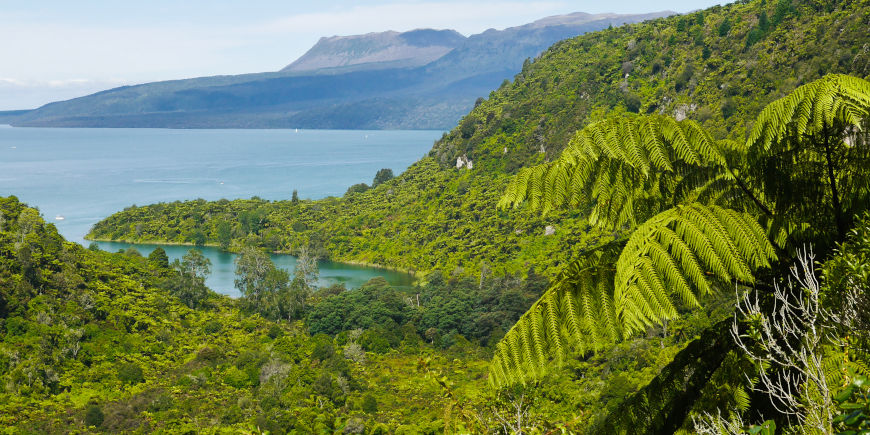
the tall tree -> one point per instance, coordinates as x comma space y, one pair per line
188, 283
158, 258
268, 289
382, 176
224, 233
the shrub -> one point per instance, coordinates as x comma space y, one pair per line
212, 326
383, 176
355, 425
380, 429
233, 415
684, 77
355, 352
94, 415
357, 188
130, 373
275, 331
728, 108
163, 402
158, 258
209, 354
369, 404
323, 350
17, 326
724, 27
632, 102
373, 340
236, 378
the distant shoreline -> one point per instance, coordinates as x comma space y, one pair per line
417, 275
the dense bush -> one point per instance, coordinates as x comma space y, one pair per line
130, 373
94, 415
477, 310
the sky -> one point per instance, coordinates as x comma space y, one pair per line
59, 49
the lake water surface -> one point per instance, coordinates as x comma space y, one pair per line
84, 175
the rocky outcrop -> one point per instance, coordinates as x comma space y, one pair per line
464, 162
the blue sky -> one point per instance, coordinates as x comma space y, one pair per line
58, 49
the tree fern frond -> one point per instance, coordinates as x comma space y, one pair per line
615, 163
724, 240
538, 339
524, 341
807, 153
809, 108
682, 253
757, 253
554, 327
518, 365
573, 311
664, 259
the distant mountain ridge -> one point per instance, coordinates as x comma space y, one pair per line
375, 81
378, 50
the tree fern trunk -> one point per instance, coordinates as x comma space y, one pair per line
835, 194
661, 407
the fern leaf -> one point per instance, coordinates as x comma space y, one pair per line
809, 108
613, 165
572, 311
662, 262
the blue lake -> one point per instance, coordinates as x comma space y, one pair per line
84, 175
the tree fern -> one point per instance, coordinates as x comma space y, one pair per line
667, 262
626, 168
835, 99
630, 169
809, 152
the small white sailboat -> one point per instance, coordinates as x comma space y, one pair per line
59, 218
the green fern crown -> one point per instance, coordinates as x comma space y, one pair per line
699, 213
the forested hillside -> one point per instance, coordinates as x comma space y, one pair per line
116, 343
718, 66
95, 341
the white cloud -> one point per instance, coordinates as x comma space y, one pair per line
11, 82
465, 17
46, 51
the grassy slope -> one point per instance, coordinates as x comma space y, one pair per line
436, 216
